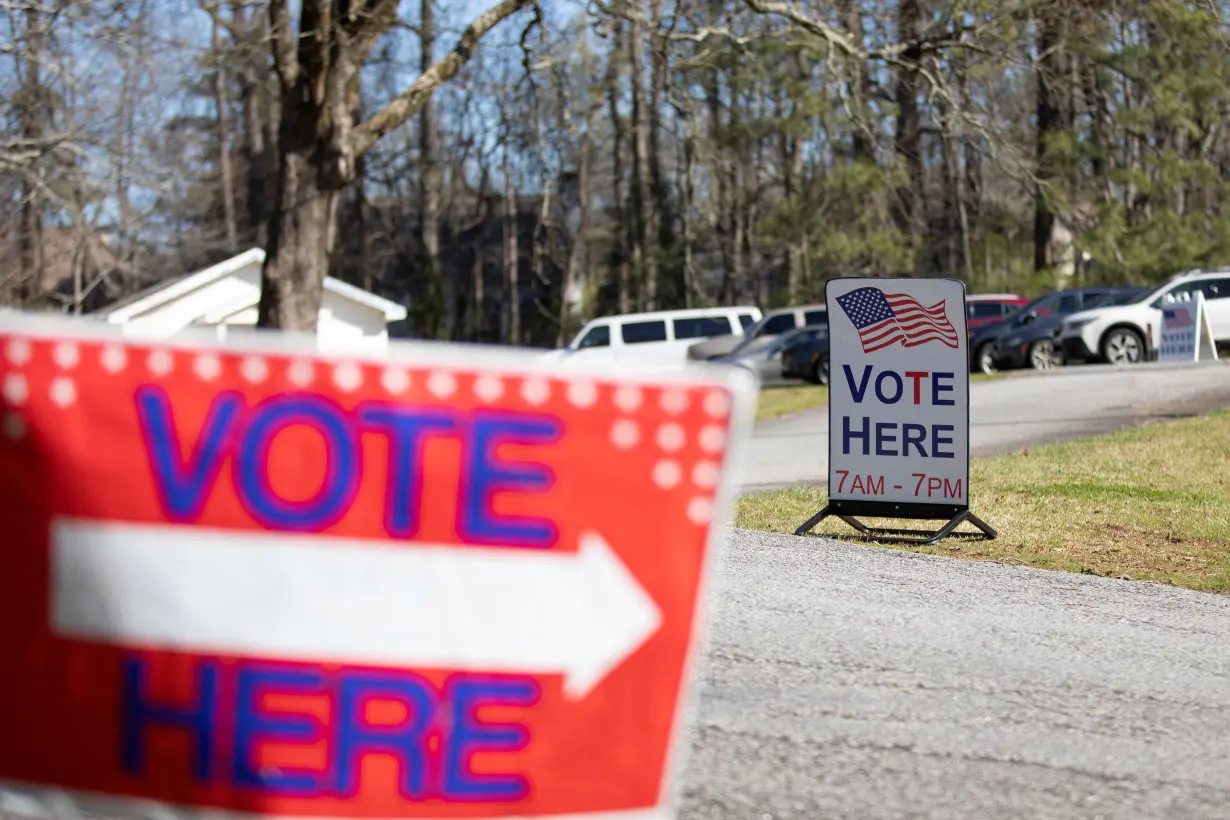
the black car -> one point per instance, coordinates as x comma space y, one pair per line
1026, 340
806, 355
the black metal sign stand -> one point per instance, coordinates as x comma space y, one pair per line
846, 510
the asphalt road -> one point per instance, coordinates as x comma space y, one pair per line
847, 681
1010, 413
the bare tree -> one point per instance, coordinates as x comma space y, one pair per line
318, 71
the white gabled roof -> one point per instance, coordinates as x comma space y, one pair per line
165, 292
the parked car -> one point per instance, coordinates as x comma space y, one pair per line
774, 323
654, 339
1027, 340
806, 356
1128, 333
985, 309
763, 356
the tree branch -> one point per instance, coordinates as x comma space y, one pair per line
283, 40
408, 103
370, 24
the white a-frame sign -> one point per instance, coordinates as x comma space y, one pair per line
1186, 335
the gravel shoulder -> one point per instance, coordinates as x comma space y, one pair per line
849, 681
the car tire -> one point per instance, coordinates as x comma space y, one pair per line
820, 375
1121, 346
1042, 355
985, 363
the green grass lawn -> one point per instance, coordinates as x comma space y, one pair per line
1149, 503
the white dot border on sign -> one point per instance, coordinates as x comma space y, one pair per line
717, 404
18, 351
395, 380
347, 377
536, 390
488, 388
66, 355
671, 437
113, 359
62, 391
625, 434
706, 474
160, 362
700, 510
207, 367
301, 373
15, 389
667, 473
254, 369
442, 384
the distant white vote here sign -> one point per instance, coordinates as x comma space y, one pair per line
899, 392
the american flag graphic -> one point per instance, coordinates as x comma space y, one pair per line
1177, 318
885, 319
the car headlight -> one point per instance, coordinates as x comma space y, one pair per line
1072, 327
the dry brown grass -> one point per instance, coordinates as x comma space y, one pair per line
1149, 503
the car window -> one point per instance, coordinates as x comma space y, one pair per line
777, 324
1216, 288
1068, 303
747, 320
1181, 292
700, 326
599, 336
1128, 296
985, 310
1047, 306
816, 317
1097, 300
635, 333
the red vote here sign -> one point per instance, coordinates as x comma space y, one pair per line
263, 580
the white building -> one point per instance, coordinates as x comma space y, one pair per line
226, 296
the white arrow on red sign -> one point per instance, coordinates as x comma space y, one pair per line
314, 597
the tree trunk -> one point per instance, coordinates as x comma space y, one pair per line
429, 175
614, 75
688, 196
1049, 121
257, 114
33, 111
910, 202
511, 252
224, 134
725, 217
644, 257
858, 85
578, 254
300, 235
478, 319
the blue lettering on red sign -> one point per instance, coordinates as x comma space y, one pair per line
245, 435
253, 725
342, 463
433, 744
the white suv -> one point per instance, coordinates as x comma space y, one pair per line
1127, 334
